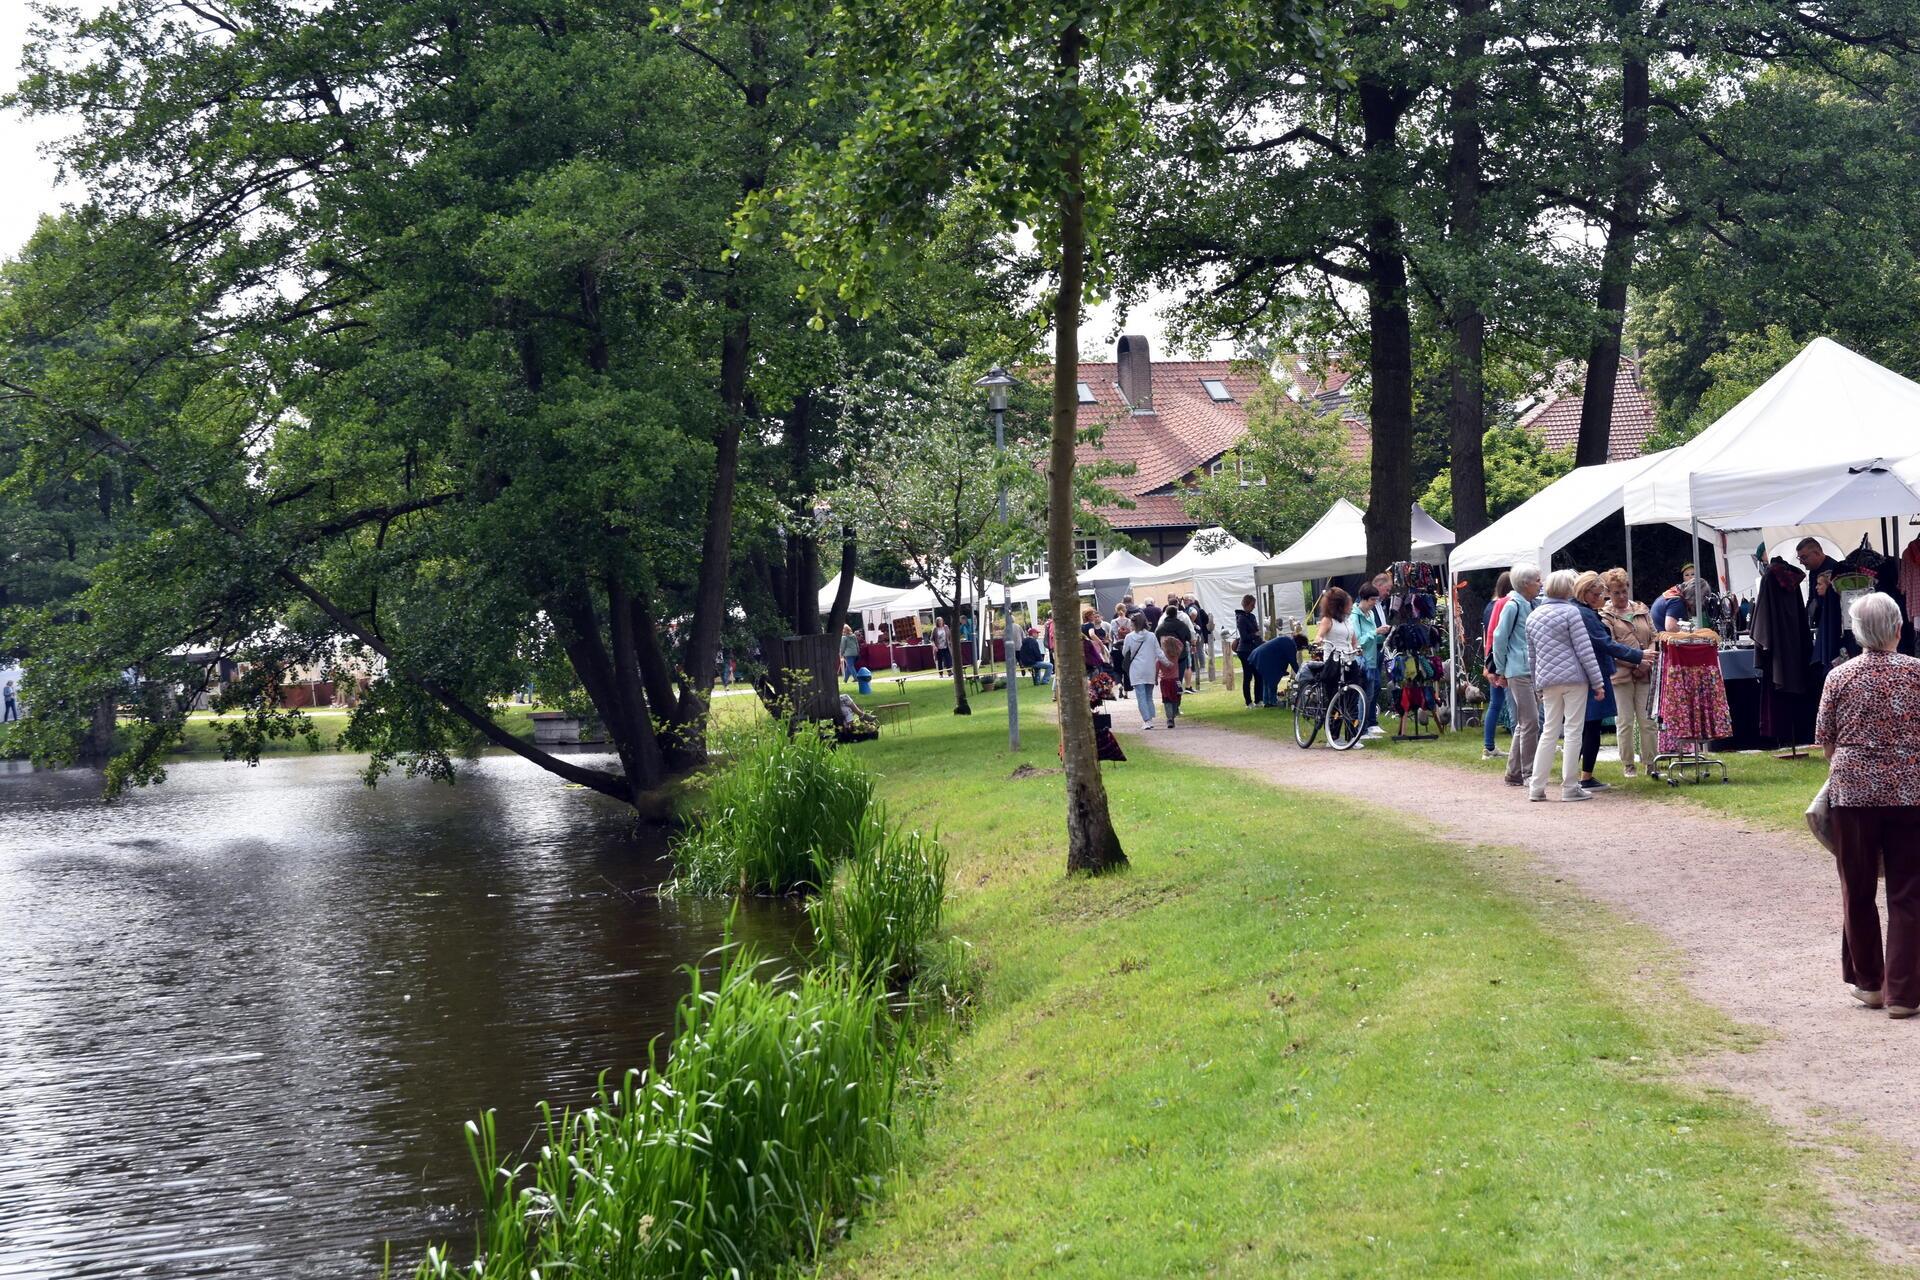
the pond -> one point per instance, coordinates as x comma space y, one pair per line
244, 1015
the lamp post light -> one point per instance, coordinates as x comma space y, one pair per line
996, 382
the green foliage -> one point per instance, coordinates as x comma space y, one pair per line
884, 904
778, 816
1292, 465
1519, 465
769, 1124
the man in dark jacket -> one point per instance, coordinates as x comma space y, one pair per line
1270, 662
1031, 658
1246, 626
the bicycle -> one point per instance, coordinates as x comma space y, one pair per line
1341, 712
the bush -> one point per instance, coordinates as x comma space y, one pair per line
885, 903
778, 816
769, 1123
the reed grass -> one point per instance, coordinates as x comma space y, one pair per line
748, 1149
779, 814
885, 903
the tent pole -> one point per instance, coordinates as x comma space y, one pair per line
1627, 530
1454, 623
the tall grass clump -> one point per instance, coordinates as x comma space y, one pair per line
768, 1124
884, 905
779, 814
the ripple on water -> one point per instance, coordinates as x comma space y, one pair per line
244, 1015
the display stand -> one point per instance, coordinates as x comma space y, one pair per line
1678, 655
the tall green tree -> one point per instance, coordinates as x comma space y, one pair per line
1036, 113
462, 368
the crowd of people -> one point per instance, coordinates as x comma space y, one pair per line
1147, 648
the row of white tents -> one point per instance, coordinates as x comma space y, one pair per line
1829, 447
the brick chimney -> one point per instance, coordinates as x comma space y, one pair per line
1136, 372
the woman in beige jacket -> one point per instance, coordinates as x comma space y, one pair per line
1631, 624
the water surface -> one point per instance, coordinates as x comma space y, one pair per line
244, 1015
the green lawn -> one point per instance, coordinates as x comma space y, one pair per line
202, 737
1762, 790
1281, 1044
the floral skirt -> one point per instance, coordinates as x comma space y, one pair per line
1693, 705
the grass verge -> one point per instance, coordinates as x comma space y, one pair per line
1299, 1038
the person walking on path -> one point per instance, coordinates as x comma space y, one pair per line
1869, 728
942, 647
1513, 665
1172, 656
1246, 638
1141, 656
1369, 629
849, 650
1589, 594
1496, 687
1631, 624
1566, 673
1174, 622
13, 703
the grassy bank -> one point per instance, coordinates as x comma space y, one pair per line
1287, 1042
1762, 790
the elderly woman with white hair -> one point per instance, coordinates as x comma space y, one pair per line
1565, 673
1869, 728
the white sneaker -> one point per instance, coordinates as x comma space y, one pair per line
1148, 725
1575, 794
1535, 795
1871, 999
1375, 732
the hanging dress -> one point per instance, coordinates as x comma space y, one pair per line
1693, 696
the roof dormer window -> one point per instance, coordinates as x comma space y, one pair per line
1216, 390
1086, 394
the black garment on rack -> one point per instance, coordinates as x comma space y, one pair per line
1783, 652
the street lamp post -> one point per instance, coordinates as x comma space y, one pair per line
996, 382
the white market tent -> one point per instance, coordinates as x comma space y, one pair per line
1033, 591
1551, 518
920, 598
1118, 565
865, 597
1827, 403
1221, 569
1337, 546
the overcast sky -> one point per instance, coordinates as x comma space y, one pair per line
30, 191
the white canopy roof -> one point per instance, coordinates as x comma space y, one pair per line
1820, 494
1210, 553
1337, 545
1827, 403
865, 595
1034, 590
1118, 565
920, 598
1551, 518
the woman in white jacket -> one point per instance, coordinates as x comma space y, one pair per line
1138, 653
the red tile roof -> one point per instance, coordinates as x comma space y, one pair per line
1187, 430
1558, 416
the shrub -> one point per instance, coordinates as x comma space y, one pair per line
778, 816
769, 1123
873, 917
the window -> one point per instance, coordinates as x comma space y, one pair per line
1216, 390
1086, 394
1215, 467
1087, 551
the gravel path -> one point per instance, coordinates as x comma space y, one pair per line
1754, 915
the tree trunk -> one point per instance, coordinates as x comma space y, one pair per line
1389, 521
1092, 844
1634, 179
960, 705
849, 561
1466, 321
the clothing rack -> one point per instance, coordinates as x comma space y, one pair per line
1680, 651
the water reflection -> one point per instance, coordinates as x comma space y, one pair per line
244, 1015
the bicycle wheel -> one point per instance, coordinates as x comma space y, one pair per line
1347, 717
1309, 709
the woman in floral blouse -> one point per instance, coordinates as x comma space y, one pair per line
1869, 728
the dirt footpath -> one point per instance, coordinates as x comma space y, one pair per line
1754, 915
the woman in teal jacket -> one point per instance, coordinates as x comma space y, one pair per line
1369, 626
